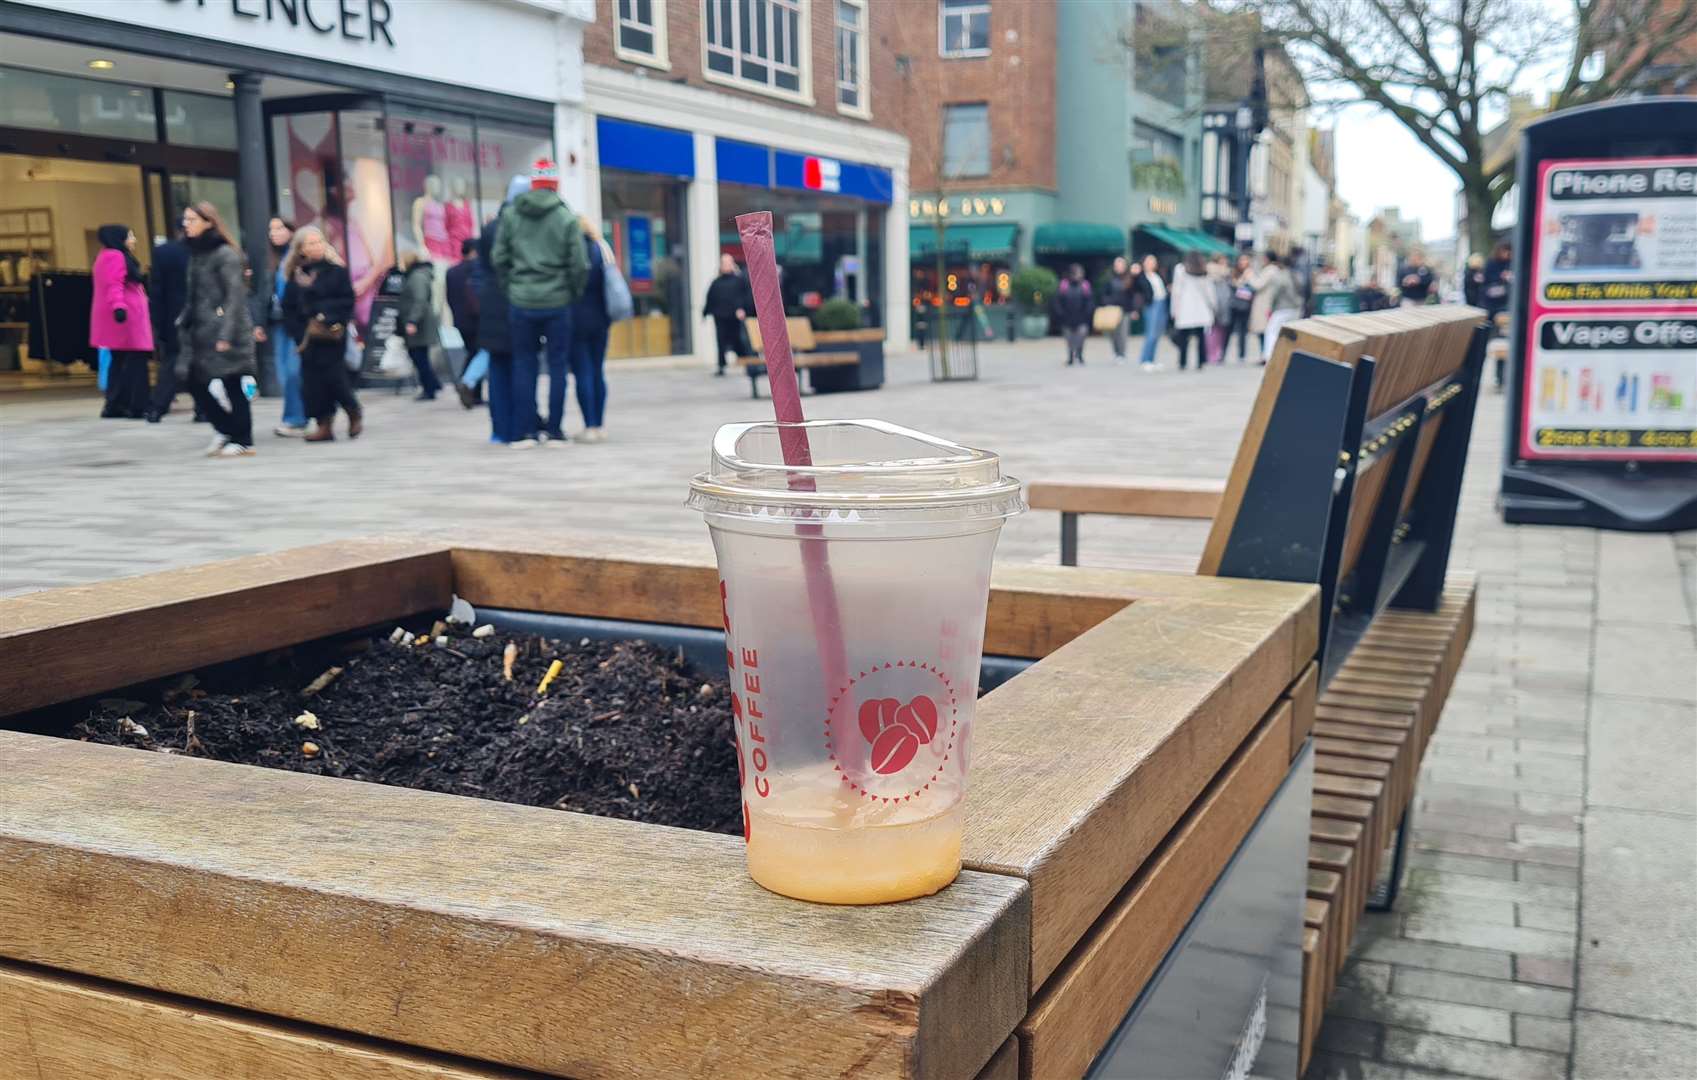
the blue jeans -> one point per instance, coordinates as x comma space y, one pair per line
530, 326
428, 384
287, 360
589, 356
499, 393
475, 370
1154, 325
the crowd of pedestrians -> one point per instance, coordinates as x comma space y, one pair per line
538, 287
1207, 302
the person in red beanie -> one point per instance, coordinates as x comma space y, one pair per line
540, 261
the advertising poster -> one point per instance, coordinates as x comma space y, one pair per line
640, 233
1612, 350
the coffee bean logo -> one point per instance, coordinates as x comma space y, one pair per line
874, 740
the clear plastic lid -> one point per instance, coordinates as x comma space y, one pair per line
862, 470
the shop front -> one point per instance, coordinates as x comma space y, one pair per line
672, 166
348, 115
827, 223
645, 175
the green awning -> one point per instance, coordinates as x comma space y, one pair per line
1078, 238
980, 241
1187, 240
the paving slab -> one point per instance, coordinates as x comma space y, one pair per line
1639, 922
1646, 662
1488, 992
1619, 1048
1643, 755
1470, 1057
1634, 572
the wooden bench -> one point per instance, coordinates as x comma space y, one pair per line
1348, 477
804, 350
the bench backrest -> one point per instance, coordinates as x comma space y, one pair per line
1349, 471
801, 334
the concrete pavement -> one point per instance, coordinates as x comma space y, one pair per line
1548, 928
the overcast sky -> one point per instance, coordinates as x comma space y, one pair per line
1381, 163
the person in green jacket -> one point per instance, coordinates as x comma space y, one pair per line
540, 262
417, 316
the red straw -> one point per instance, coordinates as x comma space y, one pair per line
761, 258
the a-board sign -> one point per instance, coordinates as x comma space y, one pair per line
1603, 410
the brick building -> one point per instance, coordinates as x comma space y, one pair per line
699, 110
1046, 133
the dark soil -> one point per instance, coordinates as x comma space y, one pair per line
625, 730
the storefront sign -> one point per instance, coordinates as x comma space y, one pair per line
620, 144
355, 20
964, 205
639, 231
1611, 366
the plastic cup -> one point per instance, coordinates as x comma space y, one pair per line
854, 591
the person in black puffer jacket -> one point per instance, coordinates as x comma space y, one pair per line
494, 332
215, 331
319, 292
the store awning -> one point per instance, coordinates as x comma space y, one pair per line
1078, 238
1187, 240
980, 241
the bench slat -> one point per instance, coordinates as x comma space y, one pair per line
1129, 496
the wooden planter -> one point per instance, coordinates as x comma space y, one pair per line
215, 920
866, 375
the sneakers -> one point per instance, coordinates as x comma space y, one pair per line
1152, 365
217, 444
553, 438
288, 431
593, 435
523, 444
233, 450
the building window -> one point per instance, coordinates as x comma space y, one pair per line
1161, 53
963, 28
1157, 159
966, 141
851, 56
756, 41
640, 31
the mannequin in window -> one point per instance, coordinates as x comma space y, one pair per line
430, 221
462, 220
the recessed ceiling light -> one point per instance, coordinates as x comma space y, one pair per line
102, 65
229, 84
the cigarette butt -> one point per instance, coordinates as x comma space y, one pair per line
438, 628
321, 682
422, 640
486, 630
508, 655
553, 670
397, 636
634, 793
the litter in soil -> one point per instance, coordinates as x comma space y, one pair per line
623, 729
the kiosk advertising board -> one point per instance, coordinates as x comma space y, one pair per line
1605, 329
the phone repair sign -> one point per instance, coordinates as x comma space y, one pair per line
1611, 348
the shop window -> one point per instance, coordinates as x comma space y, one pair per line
643, 220
756, 44
200, 120
502, 154
44, 102
361, 196
432, 177
827, 246
851, 56
963, 28
1157, 159
217, 190
966, 141
641, 32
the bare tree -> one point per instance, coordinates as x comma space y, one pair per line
1446, 68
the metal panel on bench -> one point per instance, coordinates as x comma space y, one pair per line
1227, 999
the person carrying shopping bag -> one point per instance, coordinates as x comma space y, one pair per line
216, 332
1193, 308
318, 310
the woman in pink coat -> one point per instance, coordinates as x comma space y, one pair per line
118, 320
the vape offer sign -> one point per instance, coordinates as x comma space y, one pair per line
1612, 349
